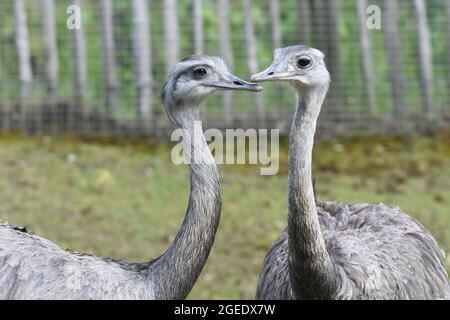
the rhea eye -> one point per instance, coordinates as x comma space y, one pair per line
200, 72
304, 62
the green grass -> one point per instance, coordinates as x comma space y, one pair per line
128, 200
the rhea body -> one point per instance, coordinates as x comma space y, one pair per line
35, 268
336, 250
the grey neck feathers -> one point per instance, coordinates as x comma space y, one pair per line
311, 269
174, 274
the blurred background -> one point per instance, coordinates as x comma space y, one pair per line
84, 157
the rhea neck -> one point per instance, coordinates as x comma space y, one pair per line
174, 274
309, 263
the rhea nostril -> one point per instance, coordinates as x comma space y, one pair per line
271, 73
238, 83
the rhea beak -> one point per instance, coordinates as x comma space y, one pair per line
270, 74
265, 75
231, 82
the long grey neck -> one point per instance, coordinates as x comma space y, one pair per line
310, 265
174, 274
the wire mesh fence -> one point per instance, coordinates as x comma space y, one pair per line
96, 67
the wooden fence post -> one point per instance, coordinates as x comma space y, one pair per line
274, 9
197, 20
142, 59
393, 44
51, 61
319, 24
24, 58
252, 60
304, 31
109, 56
425, 58
366, 50
227, 54
80, 64
447, 7
277, 40
5, 111
333, 51
172, 34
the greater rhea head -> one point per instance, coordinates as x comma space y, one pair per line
317, 256
303, 67
34, 268
196, 77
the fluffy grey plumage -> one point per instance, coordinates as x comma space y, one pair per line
378, 252
34, 268
338, 250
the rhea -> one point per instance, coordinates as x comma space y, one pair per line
336, 250
34, 268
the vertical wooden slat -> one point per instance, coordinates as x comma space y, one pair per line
250, 41
142, 58
304, 31
226, 51
393, 45
366, 50
50, 47
172, 34
447, 7
5, 123
274, 9
197, 21
425, 58
3, 108
51, 59
277, 39
23, 56
319, 25
333, 50
109, 55
226, 48
79, 54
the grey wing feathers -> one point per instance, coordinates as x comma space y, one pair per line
379, 253
34, 268
274, 278
383, 253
